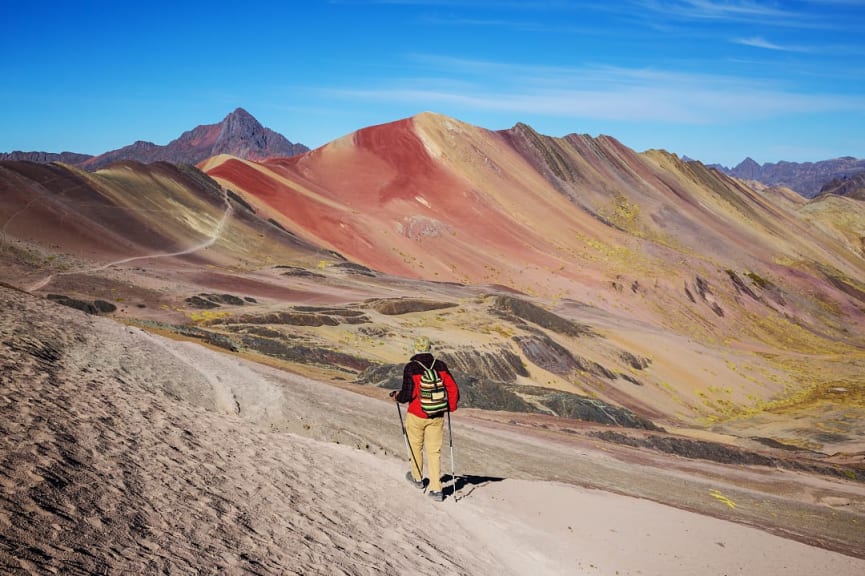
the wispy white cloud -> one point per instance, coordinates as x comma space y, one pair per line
519, 15
599, 93
715, 10
760, 42
841, 3
750, 12
817, 14
512, 24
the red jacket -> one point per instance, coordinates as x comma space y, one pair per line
411, 384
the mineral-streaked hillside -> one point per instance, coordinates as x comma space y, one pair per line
433, 198
553, 273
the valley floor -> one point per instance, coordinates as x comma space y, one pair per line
122, 451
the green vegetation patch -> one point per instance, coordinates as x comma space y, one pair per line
839, 392
623, 214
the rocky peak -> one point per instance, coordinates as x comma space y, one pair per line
747, 169
242, 135
241, 117
239, 124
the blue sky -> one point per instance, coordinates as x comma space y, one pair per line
714, 80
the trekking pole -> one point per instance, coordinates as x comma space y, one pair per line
453, 474
404, 435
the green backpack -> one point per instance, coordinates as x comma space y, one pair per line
433, 395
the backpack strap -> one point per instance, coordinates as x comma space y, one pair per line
431, 366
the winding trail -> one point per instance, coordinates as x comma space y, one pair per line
217, 233
12, 217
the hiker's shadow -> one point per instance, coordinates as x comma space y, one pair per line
467, 484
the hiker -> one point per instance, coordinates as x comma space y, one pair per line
431, 392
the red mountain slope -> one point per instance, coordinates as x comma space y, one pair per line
391, 198
434, 198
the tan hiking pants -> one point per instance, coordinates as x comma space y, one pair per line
426, 433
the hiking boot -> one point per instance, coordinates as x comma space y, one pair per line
437, 496
415, 483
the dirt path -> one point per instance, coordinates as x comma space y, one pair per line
207, 242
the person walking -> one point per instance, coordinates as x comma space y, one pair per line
431, 392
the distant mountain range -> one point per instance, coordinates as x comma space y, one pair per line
45, 157
806, 178
239, 134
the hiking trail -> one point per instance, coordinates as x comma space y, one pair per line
217, 233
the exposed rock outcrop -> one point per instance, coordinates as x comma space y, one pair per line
525, 310
89, 306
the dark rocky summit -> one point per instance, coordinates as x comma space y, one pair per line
238, 134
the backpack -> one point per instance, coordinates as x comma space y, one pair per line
433, 395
